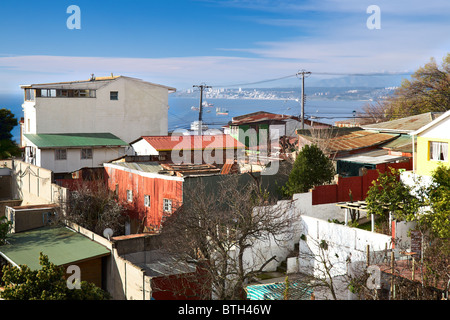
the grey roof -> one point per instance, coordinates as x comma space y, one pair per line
157, 263
152, 167
373, 157
404, 125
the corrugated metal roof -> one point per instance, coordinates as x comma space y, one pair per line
75, 140
169, 143
404, 125
153, 167
60, 244
262, 116
353, 140
401, 144
359, 139
276, 291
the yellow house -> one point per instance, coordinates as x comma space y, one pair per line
433, 141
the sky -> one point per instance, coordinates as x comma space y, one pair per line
181, 43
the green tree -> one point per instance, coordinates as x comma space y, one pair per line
48, 283
5, 226
437, 219
428, 90
8, 148
388, 194
311, 168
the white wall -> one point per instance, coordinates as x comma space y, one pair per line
439, 131
34, 185
143, 148
343, 242
74, 161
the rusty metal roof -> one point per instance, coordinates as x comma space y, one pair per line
353, 140
262, 116
358, 140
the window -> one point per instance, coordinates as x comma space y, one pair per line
114, 95
147, 201
60, 154
130, 195
86, 154
438, 151
167, 205
29, 94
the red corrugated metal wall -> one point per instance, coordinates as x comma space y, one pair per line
358, 185
158, 190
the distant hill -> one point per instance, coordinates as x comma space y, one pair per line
360, 81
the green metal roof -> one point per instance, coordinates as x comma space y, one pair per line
75, 140
62, 246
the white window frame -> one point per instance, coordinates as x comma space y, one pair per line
438, 151
59, 153
167, 205
147, 201
130, 195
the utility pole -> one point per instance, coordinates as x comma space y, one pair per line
303, 73
200, 114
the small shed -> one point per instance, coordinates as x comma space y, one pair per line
62, 245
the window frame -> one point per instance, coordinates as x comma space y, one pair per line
88, 157
147, 200
129, 195
439, 145
58, 154
111, 95
167, 203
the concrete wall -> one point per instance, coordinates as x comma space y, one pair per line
343, 243
33, 184
329, 211
124, 280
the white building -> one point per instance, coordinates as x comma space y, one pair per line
126, 107
66, 153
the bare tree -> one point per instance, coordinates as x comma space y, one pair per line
92, 205
226, 229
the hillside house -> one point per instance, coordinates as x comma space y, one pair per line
256, 130
190, 149
123, 106
69, 152
64, 247
153, 191
432, 145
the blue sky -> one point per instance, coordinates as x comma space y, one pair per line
185, 42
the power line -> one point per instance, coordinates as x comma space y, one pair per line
252, 83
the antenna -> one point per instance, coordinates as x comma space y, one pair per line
107, 233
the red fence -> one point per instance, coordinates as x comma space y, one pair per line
357, 185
